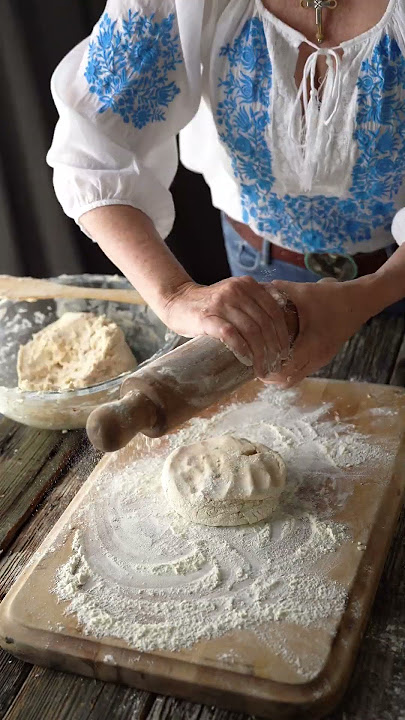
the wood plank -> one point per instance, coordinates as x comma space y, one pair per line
216, 714
168, 708
164, 708
30, 462
80, 465
119, 703
371, 354
377, 688
13, 674
398, 375
50, 695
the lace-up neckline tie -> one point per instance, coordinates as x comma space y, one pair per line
309, 113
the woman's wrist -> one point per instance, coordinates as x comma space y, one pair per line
376, 292
166, 292
387, 286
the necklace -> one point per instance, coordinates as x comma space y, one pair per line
318, 6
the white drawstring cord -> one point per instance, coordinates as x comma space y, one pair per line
302, 94
337, 82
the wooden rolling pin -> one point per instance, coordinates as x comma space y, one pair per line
171, 390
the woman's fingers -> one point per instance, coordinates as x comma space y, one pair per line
225, 331
268, 342
258, 319
275, 309
266, 309
241, 313
252, 332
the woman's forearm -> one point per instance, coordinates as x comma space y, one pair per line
129, 238
238, 311
388, 283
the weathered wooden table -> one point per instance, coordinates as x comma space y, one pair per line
40, 472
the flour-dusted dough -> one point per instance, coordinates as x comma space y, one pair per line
224, 481
78, 350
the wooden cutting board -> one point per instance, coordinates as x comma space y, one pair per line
33, 625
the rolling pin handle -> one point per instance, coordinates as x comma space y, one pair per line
110, 427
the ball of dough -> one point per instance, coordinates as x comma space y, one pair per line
224, 481
77, 351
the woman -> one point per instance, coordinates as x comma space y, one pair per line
301, 142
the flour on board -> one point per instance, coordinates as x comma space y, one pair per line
139, 572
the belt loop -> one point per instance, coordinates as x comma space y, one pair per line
266, 252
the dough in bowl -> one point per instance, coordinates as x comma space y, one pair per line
77, 351
224, 481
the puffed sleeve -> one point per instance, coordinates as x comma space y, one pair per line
398, 227
122, 96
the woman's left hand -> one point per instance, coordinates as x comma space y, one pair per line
329, 313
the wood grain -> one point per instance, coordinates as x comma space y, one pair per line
13, 674
76, 471
377, 688
167, 708
30, 462
378, 678
46, 693
371, 354
398, 374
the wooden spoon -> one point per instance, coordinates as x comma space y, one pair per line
30, 289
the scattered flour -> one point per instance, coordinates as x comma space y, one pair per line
139, 572
109, 659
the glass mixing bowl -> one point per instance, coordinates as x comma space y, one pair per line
146, 335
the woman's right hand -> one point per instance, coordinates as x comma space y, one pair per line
247, 316
240, 312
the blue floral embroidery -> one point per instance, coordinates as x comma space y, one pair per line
314, 223
129, 69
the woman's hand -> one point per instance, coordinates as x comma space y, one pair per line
329, 313
245, 315
239, 311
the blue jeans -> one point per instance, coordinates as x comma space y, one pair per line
243, 259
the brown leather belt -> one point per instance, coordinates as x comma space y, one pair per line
366, 263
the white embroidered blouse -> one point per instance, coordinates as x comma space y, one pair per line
308, 173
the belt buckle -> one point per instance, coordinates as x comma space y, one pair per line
333, 265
